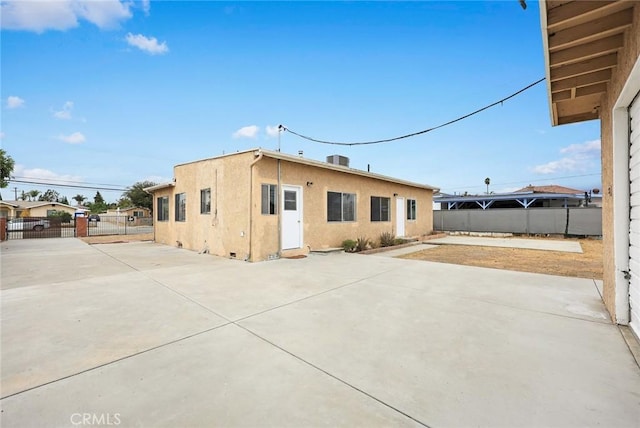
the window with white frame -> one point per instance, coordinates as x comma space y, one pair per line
181, 207
411, 209
269, 199
205, 201
341, 207
163, 208
380, 208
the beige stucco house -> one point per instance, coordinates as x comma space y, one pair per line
130, 212
592, 55
33, 208
260, 204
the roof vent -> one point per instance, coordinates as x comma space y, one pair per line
338, 160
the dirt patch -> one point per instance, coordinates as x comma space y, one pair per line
116, 239
585, 265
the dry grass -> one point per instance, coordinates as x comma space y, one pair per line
585, 265
114, 239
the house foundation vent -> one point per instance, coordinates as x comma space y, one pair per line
338, 160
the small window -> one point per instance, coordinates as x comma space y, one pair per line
205, 201
52, 213
163, 208
138, 213
181, 207
380, 208
341, 206
290, 200
411, 209
269, 199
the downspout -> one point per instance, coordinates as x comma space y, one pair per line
255, 161
280, 204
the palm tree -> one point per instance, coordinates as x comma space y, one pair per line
487, 181
33, 194
79, 199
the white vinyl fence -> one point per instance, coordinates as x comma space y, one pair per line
569, 221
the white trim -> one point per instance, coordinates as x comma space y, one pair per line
545, 49
620, 143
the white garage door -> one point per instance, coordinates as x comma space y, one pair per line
634, 226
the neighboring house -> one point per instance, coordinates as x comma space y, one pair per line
592, 57
552, 196
130, 212
33, 208
259, 205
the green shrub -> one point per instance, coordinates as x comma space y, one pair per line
349, 245
387, 239
64, 216
362, 244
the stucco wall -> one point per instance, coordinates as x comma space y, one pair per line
626, 60
317, 231
41, 211
237, 226
225, 229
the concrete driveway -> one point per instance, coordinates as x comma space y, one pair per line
141, 334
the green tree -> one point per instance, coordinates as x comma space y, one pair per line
33, 194
50, 195
98, 199
137, 195
6, 168
64, 200
79, 199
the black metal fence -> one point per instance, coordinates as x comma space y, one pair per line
119, 225
39, 227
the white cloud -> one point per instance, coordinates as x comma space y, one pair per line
146, 6
589, 147
577, 158
1, 135
250, 131
75, 138
61, 15
157, 179
65, 113
149, 45
272, 131
14, 102
40, 175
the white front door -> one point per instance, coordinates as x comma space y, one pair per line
291, 209
400, 216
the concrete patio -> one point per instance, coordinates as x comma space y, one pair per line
149, 335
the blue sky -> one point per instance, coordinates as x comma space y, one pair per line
115, 92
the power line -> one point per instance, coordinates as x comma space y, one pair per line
72, 186
527, 181
66, 181
413, 134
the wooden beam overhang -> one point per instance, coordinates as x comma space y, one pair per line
582, 40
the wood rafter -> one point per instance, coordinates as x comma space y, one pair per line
591, 31
584, 67
582, 43
586, 51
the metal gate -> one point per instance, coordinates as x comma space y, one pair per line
119, 225
39, 227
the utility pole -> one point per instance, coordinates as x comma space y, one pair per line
15, 191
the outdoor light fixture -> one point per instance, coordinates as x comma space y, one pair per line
309, 183
395, 194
